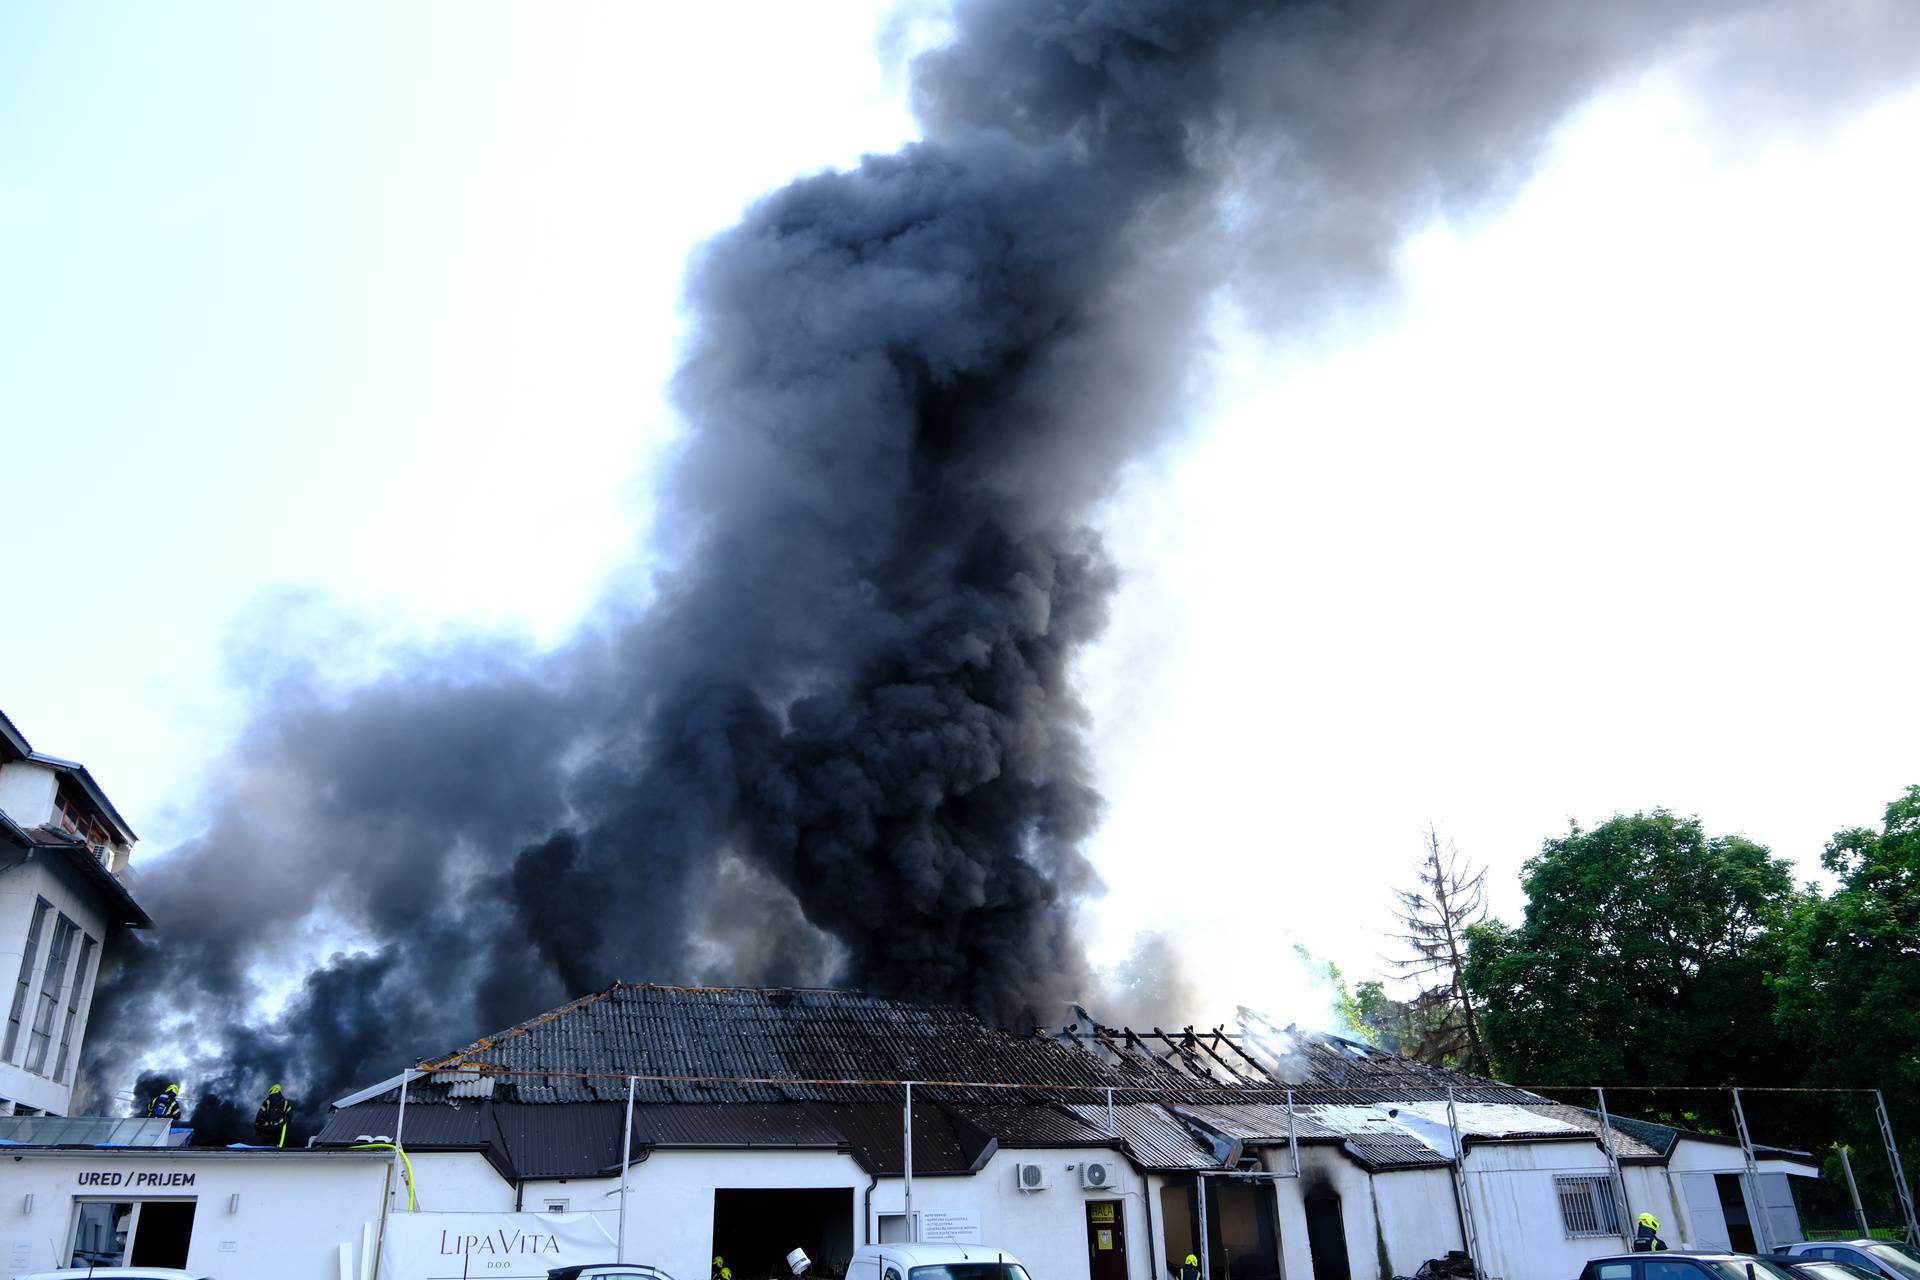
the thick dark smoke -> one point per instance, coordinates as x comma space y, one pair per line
839, 739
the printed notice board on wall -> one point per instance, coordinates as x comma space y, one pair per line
943, 1226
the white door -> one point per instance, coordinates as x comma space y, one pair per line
1776, 1202
1703, 1212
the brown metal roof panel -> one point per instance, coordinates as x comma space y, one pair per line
1150, 1136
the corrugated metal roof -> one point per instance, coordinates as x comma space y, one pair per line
558, 1142
1258, 1123
1018, 1125
804, 1039
1151, 1136
715, 1044
733, 1124
944, 1140
1377, 1151
425, 1126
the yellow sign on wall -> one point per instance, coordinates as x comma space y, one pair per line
1105, 1237
1100, 1211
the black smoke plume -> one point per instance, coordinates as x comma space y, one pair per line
835, 737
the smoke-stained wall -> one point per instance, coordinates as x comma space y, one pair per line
833, 735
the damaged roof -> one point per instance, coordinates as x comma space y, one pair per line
746, 1067
735, 1044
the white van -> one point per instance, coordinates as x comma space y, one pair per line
934, 1262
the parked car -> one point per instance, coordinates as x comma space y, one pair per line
934, 1262
1876, 1257
117, 1273
604, 1271
1823, 1269
1687, 1264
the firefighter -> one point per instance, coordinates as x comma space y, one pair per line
1190, 1269
270, 1121
165, 1104
721, 1271
1646, 1236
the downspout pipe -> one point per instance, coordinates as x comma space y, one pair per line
867, 1217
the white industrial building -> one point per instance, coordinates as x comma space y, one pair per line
768, 1120
63, 850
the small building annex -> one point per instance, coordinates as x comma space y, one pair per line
766, 1120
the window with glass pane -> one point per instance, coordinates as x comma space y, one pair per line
1588, 1206
100, 1231
27, 957
76, 992
52, 987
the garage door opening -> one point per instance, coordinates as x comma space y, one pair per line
161, 1236
755, 1229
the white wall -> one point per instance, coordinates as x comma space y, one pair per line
1517, 1210
295, 1208
1046, 1230
670, 1222
1422, 1220
27, 792
20, 887
460, 1182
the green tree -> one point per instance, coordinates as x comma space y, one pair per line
1398, 1026
1644, 957
1851, 983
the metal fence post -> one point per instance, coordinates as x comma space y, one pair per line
1853, 1191
626, 1162
1756, 1202
1899, 1171
913, 1236
399, 1139
1200, 1188
1613, 1163
1460, 1188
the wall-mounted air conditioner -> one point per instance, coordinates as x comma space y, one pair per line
1031, 1177
1097, 1174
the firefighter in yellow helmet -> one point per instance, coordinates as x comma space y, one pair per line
270, 1121
165, 1104
721, 1271
1189, 1268
1646, 1235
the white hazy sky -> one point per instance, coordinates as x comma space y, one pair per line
1610, 507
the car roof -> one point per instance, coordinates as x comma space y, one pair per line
929, 1255
1674, 1253
117, 1273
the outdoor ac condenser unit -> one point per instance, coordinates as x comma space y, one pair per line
1031, 1177
1096, 1174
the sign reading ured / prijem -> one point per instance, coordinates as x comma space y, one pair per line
132, 1178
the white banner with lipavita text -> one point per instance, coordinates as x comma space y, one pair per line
501, 1246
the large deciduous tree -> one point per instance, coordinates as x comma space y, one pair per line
1851, 984
1644, 957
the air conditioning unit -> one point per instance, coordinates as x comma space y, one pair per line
1031, 1177
1097, 1175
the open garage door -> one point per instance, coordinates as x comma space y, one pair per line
753, 1229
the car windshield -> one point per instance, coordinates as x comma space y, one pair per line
970, 1271
1895, 1260
1763, 1269
1826, 1269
